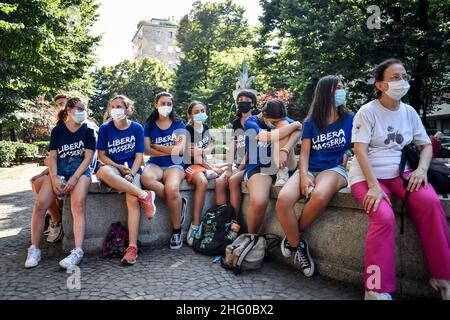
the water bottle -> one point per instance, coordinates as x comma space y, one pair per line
62, 184
234, 230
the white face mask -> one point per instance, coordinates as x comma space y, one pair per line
118, 114
165, 111
79, 116
397, 89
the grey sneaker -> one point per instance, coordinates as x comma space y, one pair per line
286, 249
191, 235
72, 259
55, 231
33, 257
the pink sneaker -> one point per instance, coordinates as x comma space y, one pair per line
148, 203
130, 255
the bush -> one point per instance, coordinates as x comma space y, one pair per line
7, 153
42, 147
25, 150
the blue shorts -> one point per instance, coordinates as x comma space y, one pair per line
339, 169
179, 166
68, 166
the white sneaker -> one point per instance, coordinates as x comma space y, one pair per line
55, 230
443, 286
191, 235
72, 259
33, 258
282, 177
286, 249
372, 295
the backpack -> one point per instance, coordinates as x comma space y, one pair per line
116, 241
214, 231
248, 251
438, 175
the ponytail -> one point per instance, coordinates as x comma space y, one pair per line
62, 115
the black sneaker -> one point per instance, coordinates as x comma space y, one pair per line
176, 241
286, 249
183, 211
303, 260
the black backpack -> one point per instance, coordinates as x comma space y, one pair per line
438, 174
214, 231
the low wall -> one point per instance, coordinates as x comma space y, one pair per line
336, 239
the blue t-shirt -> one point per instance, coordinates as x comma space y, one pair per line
121, 146
259, 153
328, 147
165, 137
69, 144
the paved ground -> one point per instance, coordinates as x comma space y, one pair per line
159, 274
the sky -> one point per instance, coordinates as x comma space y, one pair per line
119, 18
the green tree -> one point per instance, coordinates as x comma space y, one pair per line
140, 81
305, 40
45, 48
214, 38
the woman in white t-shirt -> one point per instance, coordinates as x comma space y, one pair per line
381, 129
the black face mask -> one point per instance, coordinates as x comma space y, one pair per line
245, 106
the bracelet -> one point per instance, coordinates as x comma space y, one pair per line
285, 150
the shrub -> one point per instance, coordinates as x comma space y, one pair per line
42, 147
25, 150
7, 153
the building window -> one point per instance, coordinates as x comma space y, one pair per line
158, 33
170, 49
170, 34
158, 48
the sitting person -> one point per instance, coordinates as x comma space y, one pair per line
121, 150
326, 137
269, 141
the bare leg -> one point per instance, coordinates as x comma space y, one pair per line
235, 190
54, 208
151, 179
288, 196
201, 184
112, 179
134, 215
172, 180
221, 190
44, 200
259, 189
78, 203
328, 183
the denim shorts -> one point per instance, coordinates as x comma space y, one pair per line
136, 180
179, 166
339, 169
68, 166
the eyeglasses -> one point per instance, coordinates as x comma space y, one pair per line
398, 77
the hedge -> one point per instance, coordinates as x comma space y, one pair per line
16, 151
42, 146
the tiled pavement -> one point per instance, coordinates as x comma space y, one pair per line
160, 273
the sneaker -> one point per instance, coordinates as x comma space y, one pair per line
72, 259
176, 242
191, 234
183, 211
130, 255
47, 224
33, 257
148, 203
303, 260
286, 249
372, 295
282, 177
443, 286
55, 231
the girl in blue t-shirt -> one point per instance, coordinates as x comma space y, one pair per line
269, 141
164, 140
72, 147
325, 140
121, 151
